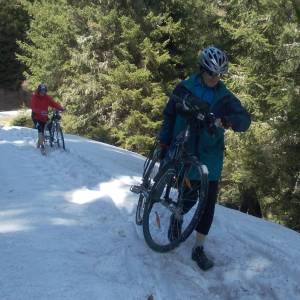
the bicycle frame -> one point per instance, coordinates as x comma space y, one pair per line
179, 155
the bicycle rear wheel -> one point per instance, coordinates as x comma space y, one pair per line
175, 195
150, 171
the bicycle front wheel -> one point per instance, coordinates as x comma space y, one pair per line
60, 138
175, 204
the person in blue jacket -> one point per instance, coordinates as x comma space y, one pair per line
207, 88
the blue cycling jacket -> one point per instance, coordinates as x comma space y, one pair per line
209, 148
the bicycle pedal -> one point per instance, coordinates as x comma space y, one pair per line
136, 189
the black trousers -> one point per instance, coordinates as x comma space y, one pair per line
206, 219
39, 125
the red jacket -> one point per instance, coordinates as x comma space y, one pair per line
40, 104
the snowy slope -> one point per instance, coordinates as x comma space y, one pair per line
67, 232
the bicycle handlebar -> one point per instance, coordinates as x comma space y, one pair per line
190, 108
56, 114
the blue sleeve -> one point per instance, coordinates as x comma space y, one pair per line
232, 110
169, 114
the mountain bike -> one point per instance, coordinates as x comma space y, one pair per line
179, 190
53, 131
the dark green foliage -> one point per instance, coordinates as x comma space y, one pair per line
265, 38
45, 51
113, 62
13, 24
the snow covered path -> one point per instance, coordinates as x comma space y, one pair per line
67, 232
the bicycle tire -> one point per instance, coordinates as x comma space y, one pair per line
60, 138
47, 135
169, 177
148, 175
140, 210
52, 140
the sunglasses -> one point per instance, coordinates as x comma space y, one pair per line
211, 73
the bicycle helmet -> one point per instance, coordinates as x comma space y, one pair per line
214, 60
42, 88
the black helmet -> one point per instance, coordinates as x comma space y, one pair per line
214, 60
42, 88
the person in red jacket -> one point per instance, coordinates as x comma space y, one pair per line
40, 102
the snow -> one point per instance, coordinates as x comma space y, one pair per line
7, 116
9, 113
67, 231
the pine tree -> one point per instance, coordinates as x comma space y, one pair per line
265, 74
13, 25
45, 51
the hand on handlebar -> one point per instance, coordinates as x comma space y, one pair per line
190, 107
212, 123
